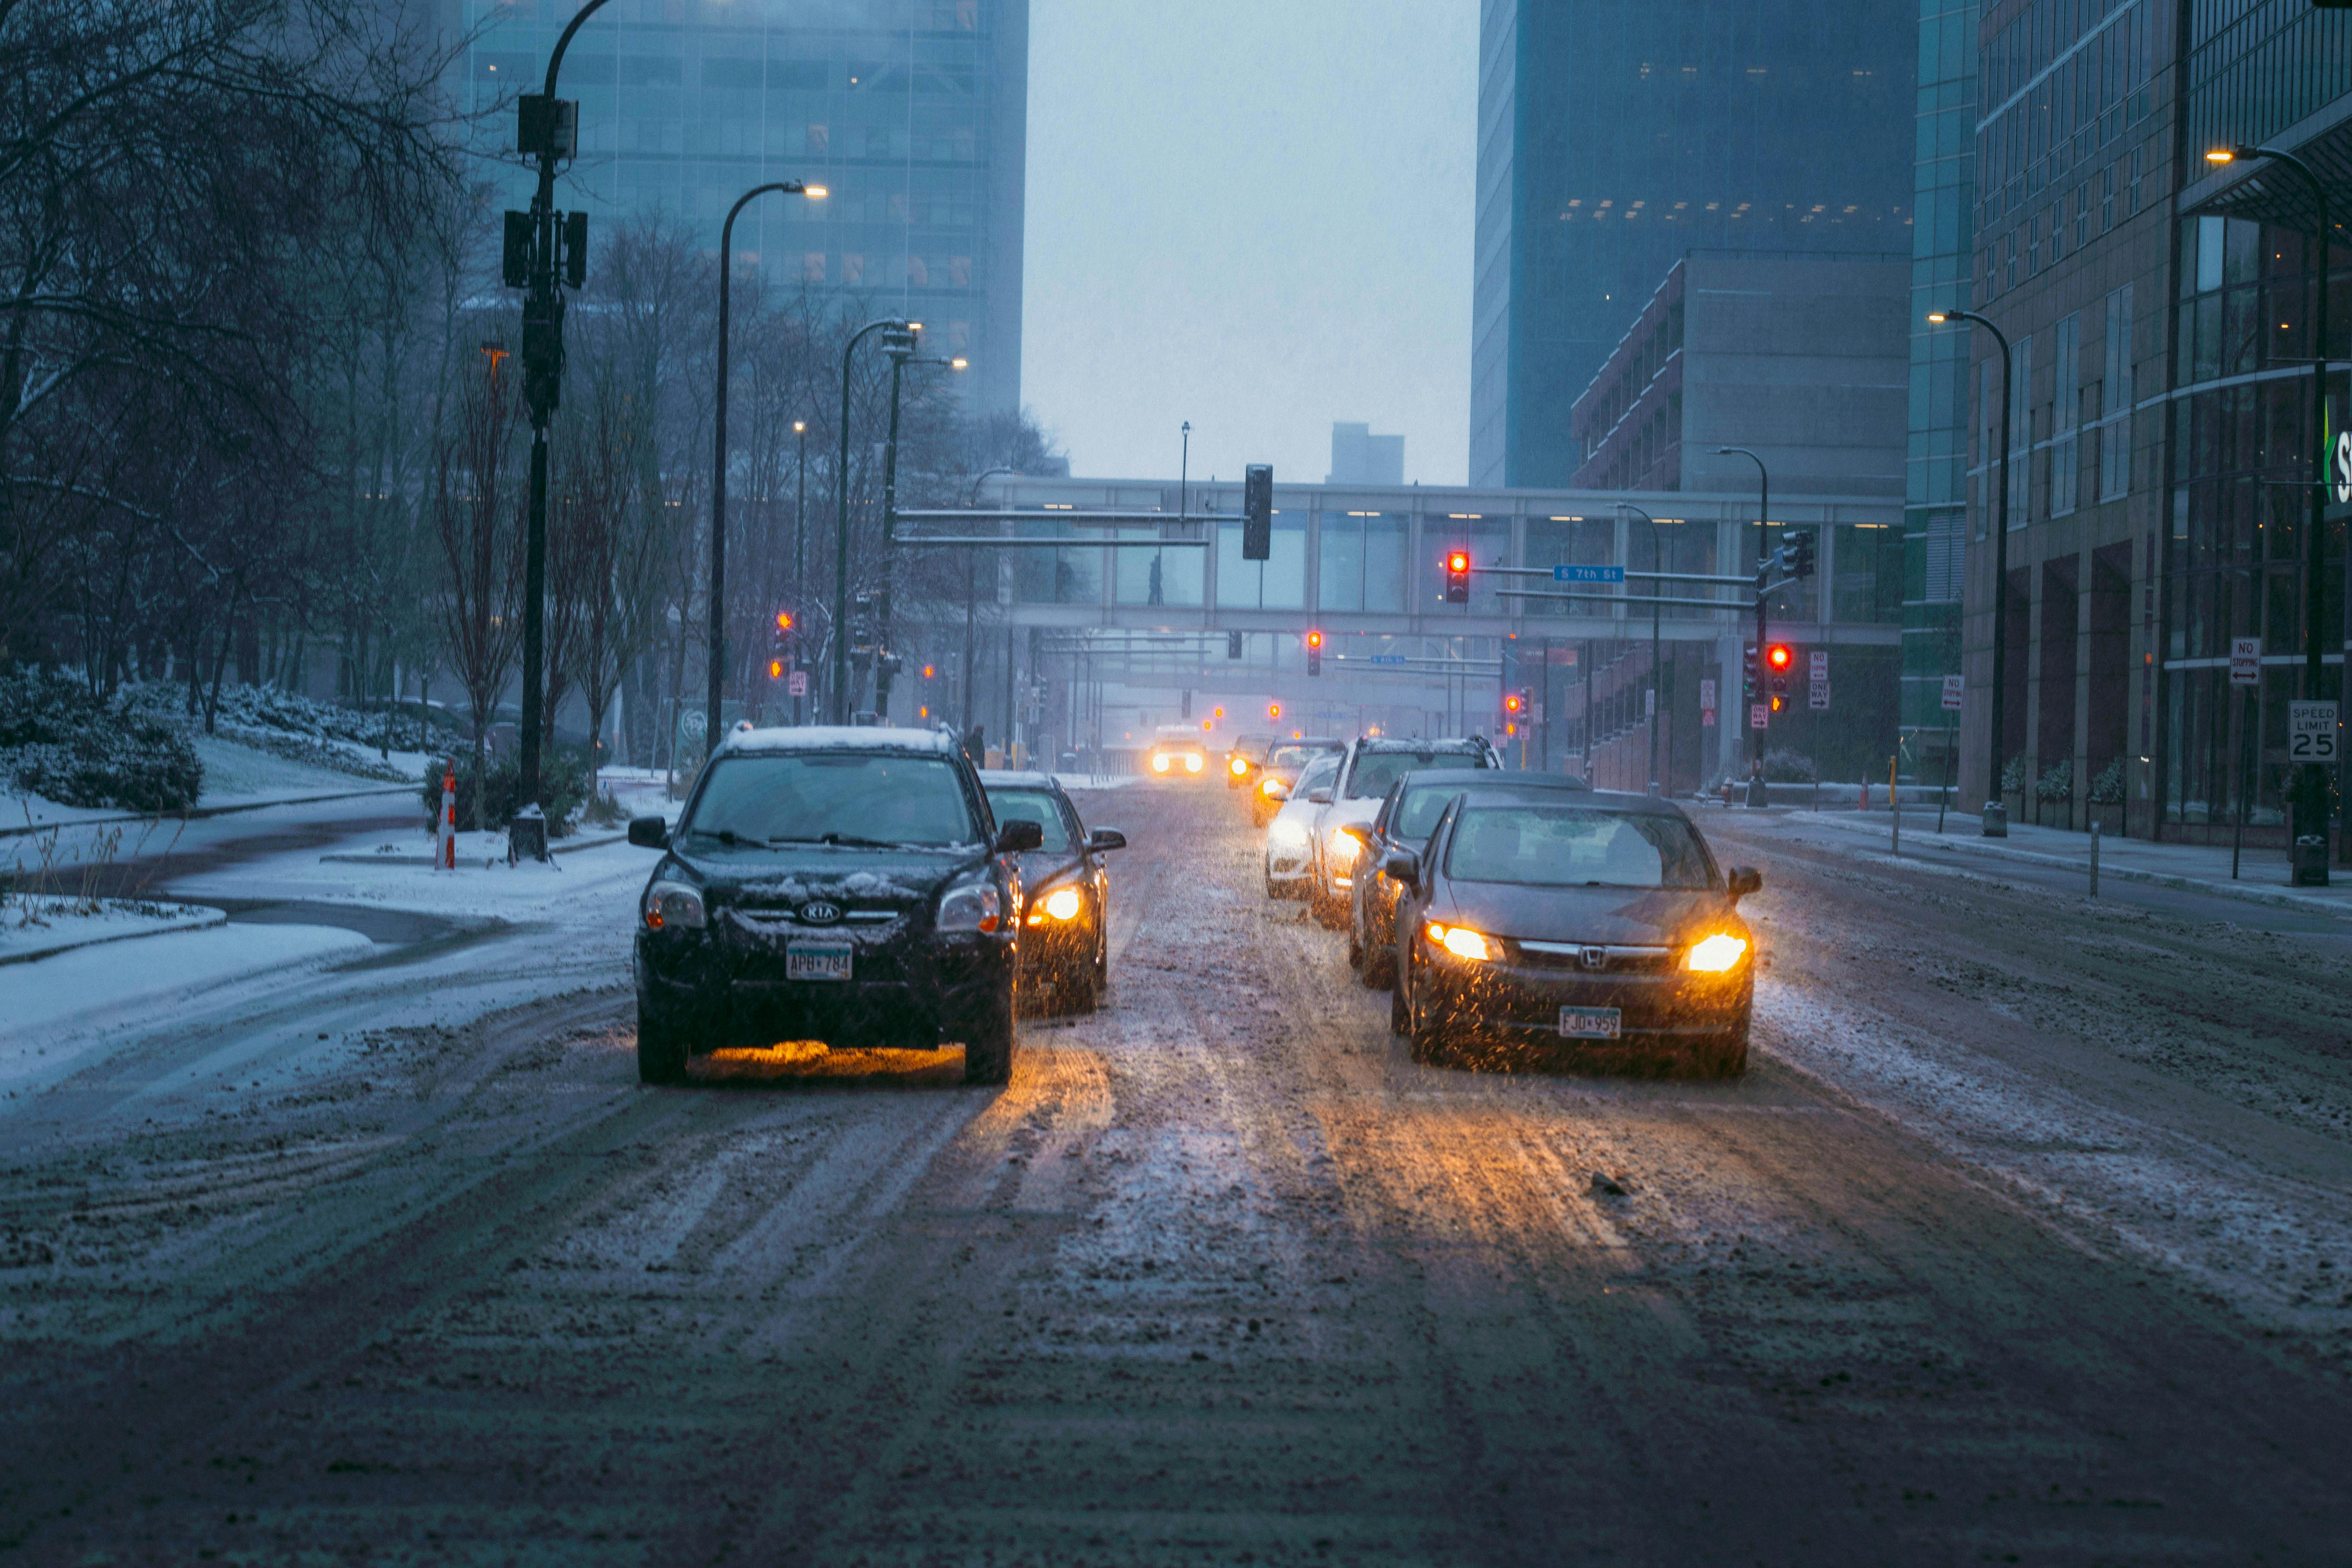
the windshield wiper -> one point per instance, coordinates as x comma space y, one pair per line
729, 835
851, 841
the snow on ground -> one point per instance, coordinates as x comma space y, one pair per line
595, 882
48, 923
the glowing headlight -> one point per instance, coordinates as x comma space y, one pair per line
1461, 941
1240, 766
1287, 832
1158, 762
1342, 846
1192, 761
973, 906
673, 904
1715, 955
1269, 786
1064, 903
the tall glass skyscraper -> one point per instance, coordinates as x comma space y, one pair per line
1615, 136
1934, 503
914, 114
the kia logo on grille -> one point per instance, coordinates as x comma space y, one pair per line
1594, 957
819, 913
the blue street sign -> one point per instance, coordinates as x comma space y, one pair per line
1588, 573
1386, 659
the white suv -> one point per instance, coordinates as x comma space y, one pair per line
1367, 768
1290, 837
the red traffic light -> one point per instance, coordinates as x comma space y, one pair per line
775, 669
1511, 704
783, 620
1314, 640
928, 672
1274, 709
1780, 655
1458, 561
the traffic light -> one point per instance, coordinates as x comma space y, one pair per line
1257, 512
1457, 576
514, 267
1797, 554
1216, 712
775, 669
1514, 704
1779, 660
1233, 645
1314, 653
1274, 709
930, 672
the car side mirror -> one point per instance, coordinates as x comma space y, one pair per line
1018, 834
650, 833
1277, 790
1105, 839
1745, 879
1404, 865
1319, 798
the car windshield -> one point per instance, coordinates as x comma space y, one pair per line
1035, 805
1375, 771
1416, 814
1319, 773
755, 800
1577, 846
1289, 756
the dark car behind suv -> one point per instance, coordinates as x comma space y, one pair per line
844, 885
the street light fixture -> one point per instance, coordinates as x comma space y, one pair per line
1756, 795
2309, 853
1658, 699
1996, 811
716, 656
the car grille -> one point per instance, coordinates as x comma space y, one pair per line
1615, 959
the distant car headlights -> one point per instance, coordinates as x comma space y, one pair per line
1158, 762
1193, 762
1269, 786
976, 905
674, 904
1461, 942
1240, 766
1292, 833
1717, 954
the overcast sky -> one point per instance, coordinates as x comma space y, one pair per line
1254, 214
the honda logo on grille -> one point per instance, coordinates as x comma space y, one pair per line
1594, 957
819, 913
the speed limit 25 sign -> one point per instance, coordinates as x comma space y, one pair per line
2311, 732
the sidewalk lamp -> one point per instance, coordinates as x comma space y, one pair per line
2310, 833
1996, 811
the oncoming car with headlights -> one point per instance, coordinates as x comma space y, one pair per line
844, 885
1178, 755
1598, 922
1065, 913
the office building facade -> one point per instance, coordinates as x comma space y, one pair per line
913, 113
2160, 313
1615, 136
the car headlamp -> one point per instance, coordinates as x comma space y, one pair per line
1342, 846
1064, 903
674, 904
1461, 942
1269, 786
1160, 761
1240, 766
977, 905
1192, 761
1717, 954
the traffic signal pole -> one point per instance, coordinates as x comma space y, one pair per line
1756, 792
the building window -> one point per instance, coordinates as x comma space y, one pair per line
1361, 562
2106, 198
2065, 394
1946, 551
2082, 215
2131, 206
812, 267
2010, 263
2021, 434
2114, 445
1277, 584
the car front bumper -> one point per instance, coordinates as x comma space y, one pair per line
1288, 862
1503, 1000
908, 995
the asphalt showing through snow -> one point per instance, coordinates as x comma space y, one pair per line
405, 1267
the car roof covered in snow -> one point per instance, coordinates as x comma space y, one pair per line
1009, 778
841, 738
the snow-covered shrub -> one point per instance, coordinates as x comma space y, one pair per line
1784, 765
2012, 776
2107, 789
59, 740
562, 784
2057, 783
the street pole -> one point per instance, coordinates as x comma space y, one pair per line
1657, 587
1996, 811
837, 699
2308, 853
543, 354
717, 657
1756, 795
972, 602
800, 553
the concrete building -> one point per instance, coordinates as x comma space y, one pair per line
1616, 135
914, 114
1360, 457
1800, 359
2160, 315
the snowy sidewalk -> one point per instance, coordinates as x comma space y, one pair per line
2192, 868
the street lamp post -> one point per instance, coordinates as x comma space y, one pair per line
542, 360
837, 699
799, 546
1996, 811
718, 654
1657, 699
2310, 833
971, 600
1756, 795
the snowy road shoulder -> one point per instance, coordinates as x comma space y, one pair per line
38, 927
